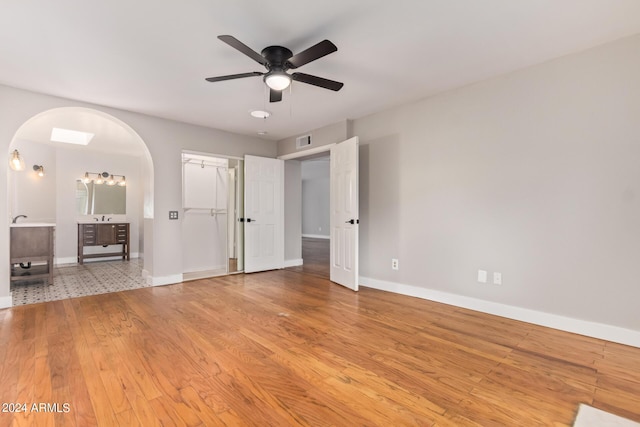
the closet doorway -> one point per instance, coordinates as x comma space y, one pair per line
213, 206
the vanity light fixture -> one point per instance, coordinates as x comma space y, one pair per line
39, 169
16, 162
104, 177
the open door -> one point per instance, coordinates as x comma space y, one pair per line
344, 213
264, 214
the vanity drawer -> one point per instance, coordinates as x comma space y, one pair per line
121, 233
88, 234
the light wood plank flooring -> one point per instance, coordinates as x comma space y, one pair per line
283, 348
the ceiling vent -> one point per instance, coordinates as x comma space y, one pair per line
303, 141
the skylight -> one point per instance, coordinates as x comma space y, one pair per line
71, 136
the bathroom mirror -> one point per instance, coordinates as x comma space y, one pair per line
100, 199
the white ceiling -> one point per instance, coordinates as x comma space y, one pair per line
152, 56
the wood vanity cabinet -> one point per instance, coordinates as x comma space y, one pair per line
32, 245
103, 234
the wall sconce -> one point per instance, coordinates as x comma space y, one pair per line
16, 162
104, 177
39, 169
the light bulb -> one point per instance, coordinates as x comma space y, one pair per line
86, 179
16, 162
111, 181
122, 182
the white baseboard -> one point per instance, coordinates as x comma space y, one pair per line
292, 262
220, 270
568, 324
161, 280
316, 236
6, 302
74, 259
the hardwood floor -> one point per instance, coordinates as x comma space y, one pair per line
283, 348
315, 254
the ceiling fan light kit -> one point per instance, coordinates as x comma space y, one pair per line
278, 60
277, 80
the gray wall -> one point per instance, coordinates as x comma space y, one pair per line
315, 198
534, 174
292, 212
330, 134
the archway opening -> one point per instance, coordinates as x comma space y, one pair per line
114, 148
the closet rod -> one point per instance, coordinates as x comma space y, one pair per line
202, 163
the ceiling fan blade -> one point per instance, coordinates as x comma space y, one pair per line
317, 51
275, 95
317, 81
238, 45
233, 76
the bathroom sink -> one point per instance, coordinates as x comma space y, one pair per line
34, 224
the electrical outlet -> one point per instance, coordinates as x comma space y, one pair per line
497, 278
394, 264
482, 276
173, 214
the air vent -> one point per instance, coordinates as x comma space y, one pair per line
303, 141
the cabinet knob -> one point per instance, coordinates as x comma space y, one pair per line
113, 226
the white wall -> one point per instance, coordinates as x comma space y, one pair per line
534, 174
165, 140
315, 198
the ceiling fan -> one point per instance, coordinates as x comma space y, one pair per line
278, 60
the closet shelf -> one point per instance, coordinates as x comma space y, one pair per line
212, 211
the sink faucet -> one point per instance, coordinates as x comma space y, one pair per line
102, 218
15, 218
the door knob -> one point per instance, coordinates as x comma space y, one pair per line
251, 220
352, 221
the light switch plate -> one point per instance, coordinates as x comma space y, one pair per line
497, 278
482, 276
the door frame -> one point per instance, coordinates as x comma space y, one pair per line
187, 276
310, 152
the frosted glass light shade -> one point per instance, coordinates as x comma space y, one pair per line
278, 81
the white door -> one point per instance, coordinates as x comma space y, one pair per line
264, 214
344, 213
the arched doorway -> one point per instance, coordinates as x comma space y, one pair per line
114, 148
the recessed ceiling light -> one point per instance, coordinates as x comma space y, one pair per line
260, 114
262, 132
71, 136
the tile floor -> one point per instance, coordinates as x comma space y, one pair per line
73, 281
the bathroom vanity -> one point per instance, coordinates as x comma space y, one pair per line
31, 251
103, 234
